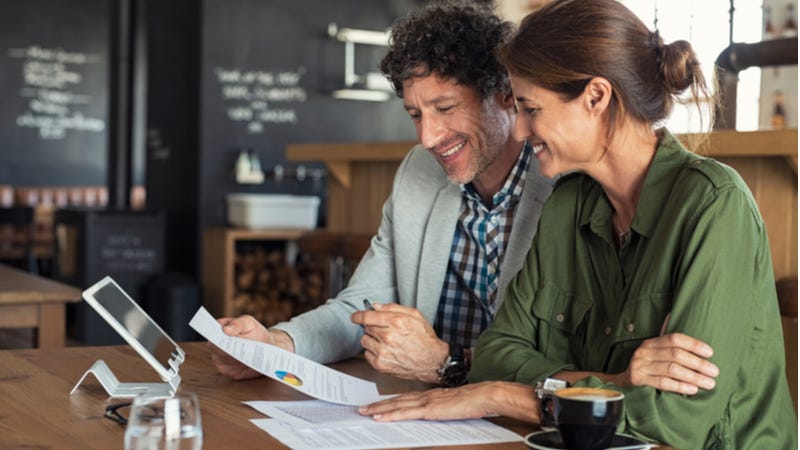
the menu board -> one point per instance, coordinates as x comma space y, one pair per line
53, 78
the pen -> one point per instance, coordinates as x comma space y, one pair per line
368, 305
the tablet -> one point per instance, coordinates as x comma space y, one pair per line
136, 327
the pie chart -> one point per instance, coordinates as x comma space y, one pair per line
288, 378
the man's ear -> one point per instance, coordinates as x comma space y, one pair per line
597, 95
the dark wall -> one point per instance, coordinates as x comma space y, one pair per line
172, 137
53, 86
281, 48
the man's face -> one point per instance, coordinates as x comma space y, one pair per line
465, 132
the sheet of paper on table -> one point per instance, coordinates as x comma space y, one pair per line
317, 425
308, 377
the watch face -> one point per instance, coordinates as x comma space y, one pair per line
455, 374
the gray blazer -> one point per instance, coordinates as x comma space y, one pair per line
407, 258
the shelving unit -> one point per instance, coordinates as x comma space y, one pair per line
219, 250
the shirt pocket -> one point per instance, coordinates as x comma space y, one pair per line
641, 318
560, 318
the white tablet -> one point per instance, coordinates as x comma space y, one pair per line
136, 327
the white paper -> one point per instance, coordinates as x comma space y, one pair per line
373, 435
310, 413
300, 373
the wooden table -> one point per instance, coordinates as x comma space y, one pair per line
31, 301
38, 411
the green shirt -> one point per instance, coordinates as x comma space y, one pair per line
698, 252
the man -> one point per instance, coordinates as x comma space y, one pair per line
459, 221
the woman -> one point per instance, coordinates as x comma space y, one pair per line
647, 256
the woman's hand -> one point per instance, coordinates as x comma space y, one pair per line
471, 401
672, 362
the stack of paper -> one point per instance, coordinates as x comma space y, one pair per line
333, 421
319, 425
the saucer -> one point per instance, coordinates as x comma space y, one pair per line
551, 440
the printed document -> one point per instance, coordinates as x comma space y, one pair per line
310, 413
373, 435
308, 377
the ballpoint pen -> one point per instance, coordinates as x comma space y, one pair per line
368, 305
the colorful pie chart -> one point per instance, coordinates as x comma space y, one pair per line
288, 378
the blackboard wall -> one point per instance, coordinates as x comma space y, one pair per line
53, 92
282, 50
54, 124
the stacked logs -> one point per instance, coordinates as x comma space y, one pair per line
271, 289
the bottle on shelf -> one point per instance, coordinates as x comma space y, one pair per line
790, 26
769, 28
778, 119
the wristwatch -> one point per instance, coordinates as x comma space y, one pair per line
455, 369
549, 386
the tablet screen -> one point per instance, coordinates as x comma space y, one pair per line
117, 305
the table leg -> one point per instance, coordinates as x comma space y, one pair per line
52, 327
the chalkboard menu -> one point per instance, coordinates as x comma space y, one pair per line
267, 76
53, 85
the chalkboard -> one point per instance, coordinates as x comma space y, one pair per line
53, 85
268, 71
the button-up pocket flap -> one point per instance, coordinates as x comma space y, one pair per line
561, 310
643, 317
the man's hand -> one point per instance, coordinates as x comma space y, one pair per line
400, 342
249, 328
672, 362
470, 401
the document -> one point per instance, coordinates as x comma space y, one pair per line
308, 377
311, 413
373, 435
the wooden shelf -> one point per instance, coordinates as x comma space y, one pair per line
219, 245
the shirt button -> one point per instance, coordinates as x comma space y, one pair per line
494, 220
559, 317
491, 269
631, 327
607, 331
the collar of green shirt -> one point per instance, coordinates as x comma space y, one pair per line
655, 191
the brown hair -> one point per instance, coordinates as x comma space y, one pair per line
564, 44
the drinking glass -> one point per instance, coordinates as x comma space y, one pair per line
158, 423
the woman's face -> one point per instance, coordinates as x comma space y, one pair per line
565, 136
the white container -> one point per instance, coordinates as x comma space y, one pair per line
272, 211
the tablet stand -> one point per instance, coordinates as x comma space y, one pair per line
111, 384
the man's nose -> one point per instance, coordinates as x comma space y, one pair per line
431, 131
521, 129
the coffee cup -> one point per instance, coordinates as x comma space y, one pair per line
586, 418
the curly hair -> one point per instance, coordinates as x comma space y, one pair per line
452, 39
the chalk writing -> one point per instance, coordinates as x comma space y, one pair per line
258, 97
51, 81
128, 252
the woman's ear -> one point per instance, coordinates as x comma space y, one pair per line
597, 95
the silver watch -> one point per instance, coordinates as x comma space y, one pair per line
549, 386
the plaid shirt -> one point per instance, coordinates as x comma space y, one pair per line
468, 302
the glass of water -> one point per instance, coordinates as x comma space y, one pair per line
158, 423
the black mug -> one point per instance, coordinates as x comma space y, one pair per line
586, 418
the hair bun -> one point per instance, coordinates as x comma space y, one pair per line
678, 64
